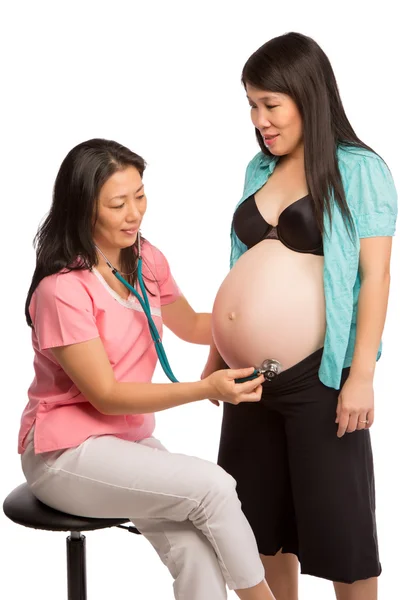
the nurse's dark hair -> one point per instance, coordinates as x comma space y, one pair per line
294, 64
66, 233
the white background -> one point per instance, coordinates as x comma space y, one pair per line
164, 79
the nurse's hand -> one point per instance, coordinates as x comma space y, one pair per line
223, 387
355, 408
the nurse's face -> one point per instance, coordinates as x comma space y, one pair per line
278, 119
121, 206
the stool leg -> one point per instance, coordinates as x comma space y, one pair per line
76, 566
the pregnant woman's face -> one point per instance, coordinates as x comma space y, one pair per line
278, 119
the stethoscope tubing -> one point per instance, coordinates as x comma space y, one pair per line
144, 302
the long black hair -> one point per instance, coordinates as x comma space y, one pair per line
294, 64
66, 233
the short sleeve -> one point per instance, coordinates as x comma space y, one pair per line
169, 290
373, 198
62, 312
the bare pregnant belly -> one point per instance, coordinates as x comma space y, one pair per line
270, 305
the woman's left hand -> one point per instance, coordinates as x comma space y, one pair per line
355, 408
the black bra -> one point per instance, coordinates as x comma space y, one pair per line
297, 227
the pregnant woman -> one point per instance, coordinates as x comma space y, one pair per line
308, 287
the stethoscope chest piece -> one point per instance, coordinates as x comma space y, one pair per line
270, 368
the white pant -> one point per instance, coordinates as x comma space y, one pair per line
185, 506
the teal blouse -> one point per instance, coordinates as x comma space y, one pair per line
372, 200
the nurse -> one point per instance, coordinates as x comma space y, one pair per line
308, 287
86, 435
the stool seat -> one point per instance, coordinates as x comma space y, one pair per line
22, 507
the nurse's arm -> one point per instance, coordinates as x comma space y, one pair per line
185, 323
89, 368
372, 303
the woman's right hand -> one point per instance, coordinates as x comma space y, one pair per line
223, 387
88, 366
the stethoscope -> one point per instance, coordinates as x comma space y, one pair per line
269, 368
145, 304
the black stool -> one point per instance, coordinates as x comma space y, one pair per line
23, 508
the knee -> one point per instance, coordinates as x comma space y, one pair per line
219, 484
225, 483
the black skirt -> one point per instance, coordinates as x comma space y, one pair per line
303, 489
